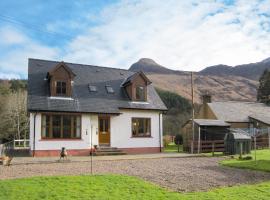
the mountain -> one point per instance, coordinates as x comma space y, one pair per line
149, 66
251, 71
224, 82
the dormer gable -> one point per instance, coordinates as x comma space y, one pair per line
60, 80
136, 86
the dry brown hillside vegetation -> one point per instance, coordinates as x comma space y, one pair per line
225, 83
222, 88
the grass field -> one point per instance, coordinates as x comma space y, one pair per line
115, 187
173, 148
263, 161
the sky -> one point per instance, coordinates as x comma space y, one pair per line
182, 35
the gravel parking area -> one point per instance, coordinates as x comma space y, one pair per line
178, 174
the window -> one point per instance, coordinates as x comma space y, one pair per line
92, 88
60, 126
109, 89
61, 88
140, 93
141, 127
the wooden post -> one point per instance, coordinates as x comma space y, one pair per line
199, 140
192, 100
268, 130
213, 148
255, 145
241, 150
92, 151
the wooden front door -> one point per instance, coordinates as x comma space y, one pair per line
104, 130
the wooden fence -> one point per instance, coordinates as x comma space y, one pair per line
207, 146
261, 143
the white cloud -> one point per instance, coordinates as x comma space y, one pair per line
184, 35
9, 36
15, 51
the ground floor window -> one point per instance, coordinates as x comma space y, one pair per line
55, 126
141, 127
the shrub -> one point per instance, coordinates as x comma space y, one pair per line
165, 142
178, 139
246, 158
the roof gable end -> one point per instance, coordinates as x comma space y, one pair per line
133, 77
54, 70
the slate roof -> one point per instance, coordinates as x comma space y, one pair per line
211, 122
82, 100
233, 111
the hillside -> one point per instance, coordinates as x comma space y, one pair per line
250, 71
223, 82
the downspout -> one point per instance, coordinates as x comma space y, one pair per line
160, 146
34, 138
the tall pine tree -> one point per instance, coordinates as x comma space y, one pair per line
263, 93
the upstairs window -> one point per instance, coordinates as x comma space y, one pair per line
140, 93
61, 88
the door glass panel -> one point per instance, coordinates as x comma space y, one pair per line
106, 125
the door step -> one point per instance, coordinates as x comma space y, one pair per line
108, 151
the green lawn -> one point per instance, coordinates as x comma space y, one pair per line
172, 148
263, 161
115, 187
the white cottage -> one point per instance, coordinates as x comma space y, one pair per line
72, 104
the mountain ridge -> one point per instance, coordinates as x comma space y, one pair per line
225, 83
251, 71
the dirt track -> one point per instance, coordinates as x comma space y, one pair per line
179, 174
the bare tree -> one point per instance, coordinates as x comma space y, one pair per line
14, 123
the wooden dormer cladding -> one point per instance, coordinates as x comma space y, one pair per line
136, 86
60, 80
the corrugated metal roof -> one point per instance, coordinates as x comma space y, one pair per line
82, 100
210, 122
233, 111
240, 134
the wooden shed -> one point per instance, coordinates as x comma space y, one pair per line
206, 133
235, 140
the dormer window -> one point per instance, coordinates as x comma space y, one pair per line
60, 80
140, 93
61, 88
136, 86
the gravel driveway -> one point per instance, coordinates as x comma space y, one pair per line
178, 174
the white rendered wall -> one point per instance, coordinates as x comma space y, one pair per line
121, 134
57, 144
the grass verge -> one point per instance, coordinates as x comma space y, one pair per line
115, 187
173, 148
262, 164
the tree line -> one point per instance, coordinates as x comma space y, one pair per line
14, 121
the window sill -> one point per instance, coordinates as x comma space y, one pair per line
60, 139
141, 137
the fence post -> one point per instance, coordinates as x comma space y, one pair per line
255, 145
213, 148
268, 130
241, 150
